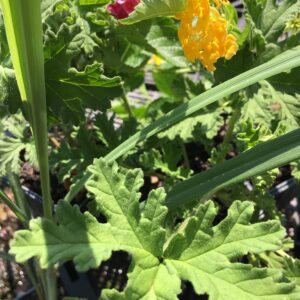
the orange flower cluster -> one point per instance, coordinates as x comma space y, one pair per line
203, 33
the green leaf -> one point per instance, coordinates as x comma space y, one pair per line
163, 37
170, 84
15, 139
9, 96
69, 160
257, 160
287, 60
197, 251
241, 62
292, 270
234, 232
202, 254
148, 282
271, 109
91, 2
284, 61
148, 9
117, 197
154, 160
105, 128
270, 17
52, 243
208, 122
287, 82
69, 91
129, 229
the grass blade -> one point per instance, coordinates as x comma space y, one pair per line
23, 25
263, 157
283, 62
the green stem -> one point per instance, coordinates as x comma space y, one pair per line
127, 105
228, 136
32, 276
185, 155
234, 118
23, 25
15, 185
17, 211
51, 284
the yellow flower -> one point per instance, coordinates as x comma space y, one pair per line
203, 33
155, 60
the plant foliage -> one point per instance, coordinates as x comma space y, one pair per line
197, 251
122, 98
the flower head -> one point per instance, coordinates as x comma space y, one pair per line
203, 33
120, 9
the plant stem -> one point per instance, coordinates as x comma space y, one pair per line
32, 276
185, 155
17, 211
23, 24
127, 105
234, 118
15, 185
51, 284
228, 136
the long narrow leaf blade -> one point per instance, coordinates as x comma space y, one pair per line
287, 60
257, 160
283, 62
23, 25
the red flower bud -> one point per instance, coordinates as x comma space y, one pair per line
122, 8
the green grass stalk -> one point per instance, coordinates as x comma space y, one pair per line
23, 24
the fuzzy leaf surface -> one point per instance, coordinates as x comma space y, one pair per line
70, 90
197, 251
203, 254
15, 139
53, 243
292, 270
270, 17
272, 109
74, 81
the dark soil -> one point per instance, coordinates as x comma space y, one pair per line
13, 279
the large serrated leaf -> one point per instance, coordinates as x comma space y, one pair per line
201, 254
292, 270
51, 243
69, 91
14, 140
272, 109
270, 16
197, 251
